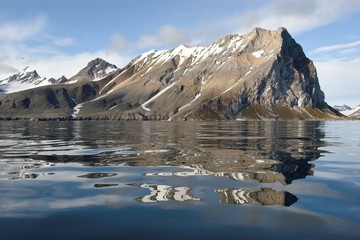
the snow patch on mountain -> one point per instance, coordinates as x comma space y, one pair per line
155, 97
258, 54
26, 79
77, 110
189, 104
17, 87
347, 110
225, 46
341, 108
352, 112
110, 69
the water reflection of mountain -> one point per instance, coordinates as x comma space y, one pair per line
105, 185
262, 196
261, 151
165, 193
97, 175
269, 151
14, 169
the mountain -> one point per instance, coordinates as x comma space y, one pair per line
27, 75
348, 111
94, 71
59, 80
27, 78
341, 108
260, 75
356, 112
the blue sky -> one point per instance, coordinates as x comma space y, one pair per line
61, 37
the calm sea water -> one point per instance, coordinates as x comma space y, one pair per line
176, 180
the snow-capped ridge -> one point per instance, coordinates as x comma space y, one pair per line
352, 112
26, 79
342, 107
26, 70
224, 47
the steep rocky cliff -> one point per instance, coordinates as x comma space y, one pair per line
260, 75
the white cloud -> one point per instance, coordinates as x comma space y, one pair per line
149, 41
69, 65
168, 35
21, 30
297, 16
119, 44
348, 51
57, 41
64, 41
96, 200
7, 69
50, 62
347, 46
339, 79
44, 52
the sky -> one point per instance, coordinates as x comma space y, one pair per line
60, 37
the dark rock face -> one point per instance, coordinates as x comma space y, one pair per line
62, 79
260, 75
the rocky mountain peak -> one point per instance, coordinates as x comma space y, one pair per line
99, 62
62, 79
95, 70
260, 68
27, 75
25, 79
26, 70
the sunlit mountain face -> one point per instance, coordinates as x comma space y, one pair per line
259, 75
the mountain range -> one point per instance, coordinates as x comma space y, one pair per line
259, 75
27, 78
348, 111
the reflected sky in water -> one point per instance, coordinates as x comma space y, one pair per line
222, 179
